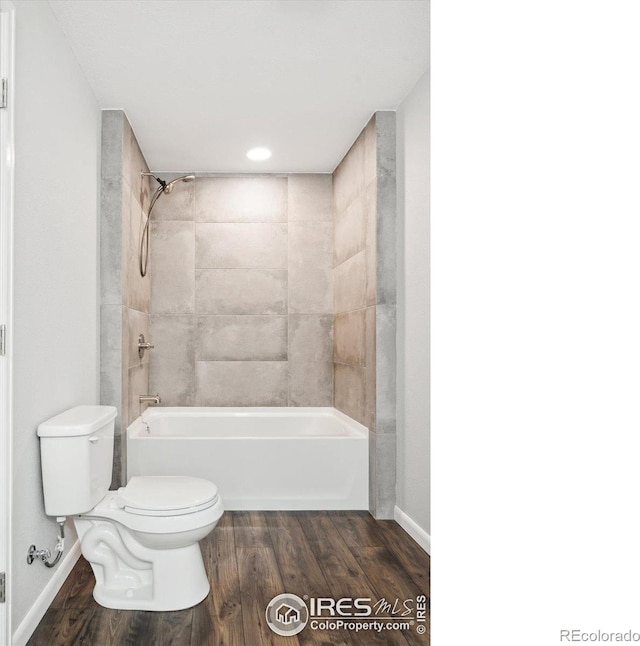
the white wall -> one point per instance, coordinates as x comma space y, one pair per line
55, 263
413, 457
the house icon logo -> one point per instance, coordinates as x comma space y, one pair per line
287, 615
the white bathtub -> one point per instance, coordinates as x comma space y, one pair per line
260, 458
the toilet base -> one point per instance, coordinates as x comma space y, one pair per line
130, 576
178, 581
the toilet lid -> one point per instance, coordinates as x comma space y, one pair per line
167, 495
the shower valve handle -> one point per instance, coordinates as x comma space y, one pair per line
142, 346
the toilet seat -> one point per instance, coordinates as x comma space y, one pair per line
161, 504
109, 509
166, 495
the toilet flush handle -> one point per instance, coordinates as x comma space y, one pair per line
93, 439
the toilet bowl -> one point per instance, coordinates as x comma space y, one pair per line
141, 540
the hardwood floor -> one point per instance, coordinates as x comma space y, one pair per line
251, 557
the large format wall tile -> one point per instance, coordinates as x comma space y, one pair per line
241, 291
124, 411
310, 198
310, 261
137, 219
111, 351
128, 138
139, 185
138, 385
386, 208
241, 199
370, 368
349, 335
172, 366
310, 363
125, 210
241, 383
171, 267
112, 146
111, 336
348, 178
137, 288
112, 195
349, 284
349, 390
370, 209
370, 158
242, 338
257, 245
350, 229
386, 369
382, 475
382, 463
133, 165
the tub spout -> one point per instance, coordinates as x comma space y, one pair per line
149, 399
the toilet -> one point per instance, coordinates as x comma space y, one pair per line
141, 540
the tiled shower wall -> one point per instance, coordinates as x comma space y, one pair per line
125, 295
364, 277
241, 292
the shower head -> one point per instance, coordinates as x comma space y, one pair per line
167, 187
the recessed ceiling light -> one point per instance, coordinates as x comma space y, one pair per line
258, 154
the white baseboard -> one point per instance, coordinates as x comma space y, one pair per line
28, 625
413, 529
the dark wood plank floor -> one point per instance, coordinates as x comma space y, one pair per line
251, 557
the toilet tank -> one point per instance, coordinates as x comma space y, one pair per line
76, 454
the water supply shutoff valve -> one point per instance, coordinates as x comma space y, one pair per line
33, 554
45, 555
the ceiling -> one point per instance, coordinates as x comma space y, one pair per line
202, 81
